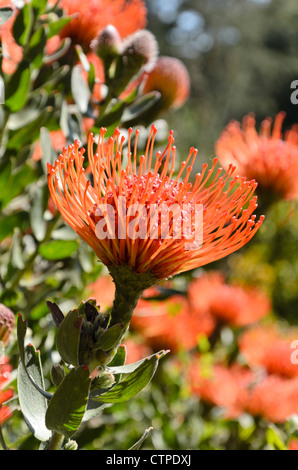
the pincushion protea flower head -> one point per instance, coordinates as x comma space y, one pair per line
268, 157
143, 222
136, 235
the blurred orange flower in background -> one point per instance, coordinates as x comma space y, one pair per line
268, 157
270, 348
226, 387
5, 395
170, 323
237, 390
227, 303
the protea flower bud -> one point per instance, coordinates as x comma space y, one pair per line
138, 54
170, 77
85, 337
7, 323
107, 43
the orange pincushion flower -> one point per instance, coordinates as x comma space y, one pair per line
170, 77
271, 349
91, 16
238, 390
5, 395
170, 323
219, 385
274, 398
228, 303
269, 158
146, 218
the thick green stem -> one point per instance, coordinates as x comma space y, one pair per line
56, 441
130, 285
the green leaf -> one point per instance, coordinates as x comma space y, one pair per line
5, 14
133, 383
58, 249
80, 90
110, 338
33, 404
118, 361
119, 358
36, 47
128, 368
16, 183
140, 106
112, 114
28, 134
17, 88
48, 153
8, 223
274, 438
68, 404
68, 337
56, 26
138, 444
21, 333
37, 221
16, 255
22, 25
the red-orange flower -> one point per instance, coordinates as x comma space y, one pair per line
228, 303
141, 215
170, 323
271, 349
226, 387
239, 390
11, 51
5, 395
91, 16
274, 398
268, 157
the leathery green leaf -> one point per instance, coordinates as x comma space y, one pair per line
68, 338
33, 404
133, 383
68, 404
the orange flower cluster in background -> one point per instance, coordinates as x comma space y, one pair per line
5, 395
266, 386
268, 157
179, 321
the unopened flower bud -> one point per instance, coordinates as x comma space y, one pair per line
138, 54
170, 77
107, 43
141, 49
7, 323
105, 379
